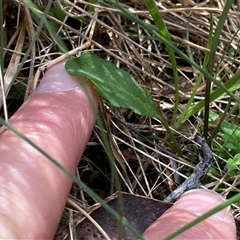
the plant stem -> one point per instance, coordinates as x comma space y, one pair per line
213, 49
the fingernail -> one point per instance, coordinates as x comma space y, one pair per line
57, 79
201, 201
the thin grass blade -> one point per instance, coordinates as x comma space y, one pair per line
153, 10
213, 48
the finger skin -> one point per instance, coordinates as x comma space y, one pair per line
33, 191
191, 205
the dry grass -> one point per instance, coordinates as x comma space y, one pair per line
142, 158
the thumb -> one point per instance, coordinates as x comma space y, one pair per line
191, 205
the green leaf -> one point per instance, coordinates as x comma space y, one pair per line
231, 146
233, 163
213, 116
115, 85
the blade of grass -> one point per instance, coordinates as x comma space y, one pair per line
74, 179
182, 117
221, 206
117, 181
228, 48
233, 84
198, 80
51, 26
153, 10
217, 34
209, 64
1, 37
2, 60
32, 6
213, 49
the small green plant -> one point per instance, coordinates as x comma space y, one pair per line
231, 134
233, 165
228, 147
